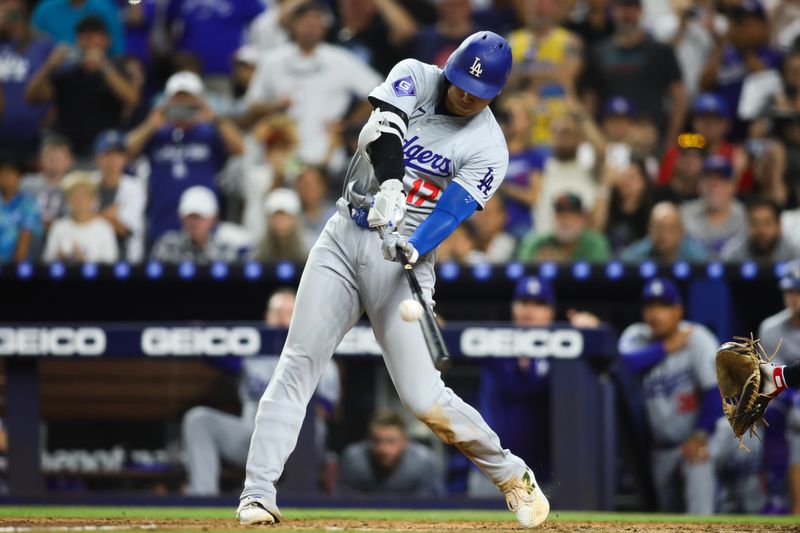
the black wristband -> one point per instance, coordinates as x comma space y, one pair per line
791, 374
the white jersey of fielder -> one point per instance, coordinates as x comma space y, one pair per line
673, 389
438, 148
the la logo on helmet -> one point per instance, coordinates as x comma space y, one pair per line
476, 69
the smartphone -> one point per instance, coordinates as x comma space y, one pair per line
182, 112
618, 155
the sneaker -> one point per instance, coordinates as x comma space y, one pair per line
528, 501
252, 511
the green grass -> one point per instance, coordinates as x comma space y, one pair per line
226, 513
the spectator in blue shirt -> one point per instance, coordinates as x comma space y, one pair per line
19, 215
225, 20
186, 144
744, 51
21, 54
60, 18
522, 184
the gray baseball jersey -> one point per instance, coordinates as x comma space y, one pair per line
673, 388
776, 327
438, 148
346, 275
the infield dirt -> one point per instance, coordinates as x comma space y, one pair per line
23, 525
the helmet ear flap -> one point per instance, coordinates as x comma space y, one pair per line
480, 65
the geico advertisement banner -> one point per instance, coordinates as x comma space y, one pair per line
246, 340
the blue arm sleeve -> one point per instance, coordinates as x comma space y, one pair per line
455, 206
644, 359
710, 411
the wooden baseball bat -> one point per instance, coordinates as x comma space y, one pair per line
430, 328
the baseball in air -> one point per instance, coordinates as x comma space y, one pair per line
410, 310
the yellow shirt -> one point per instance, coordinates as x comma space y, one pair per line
542, 57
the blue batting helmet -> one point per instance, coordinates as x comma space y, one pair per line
480, 65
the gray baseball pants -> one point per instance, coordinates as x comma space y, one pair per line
346, 275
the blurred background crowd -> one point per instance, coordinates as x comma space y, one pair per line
177, 130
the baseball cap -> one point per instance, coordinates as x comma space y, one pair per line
198, 200
184, 82
710, 104
752, 8
533, 288
568, 202
284, 200
661, 290
718, 164
246, 54
790, 281
109, 140
619, 106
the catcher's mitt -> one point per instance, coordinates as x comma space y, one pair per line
747, 383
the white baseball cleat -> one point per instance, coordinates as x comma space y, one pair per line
252, 512
528, 501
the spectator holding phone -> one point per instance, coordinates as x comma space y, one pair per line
186, 144
89, 90
623, 203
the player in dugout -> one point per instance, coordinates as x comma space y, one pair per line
514, 393
694, 453
430, 154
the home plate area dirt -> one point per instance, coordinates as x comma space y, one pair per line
12, 525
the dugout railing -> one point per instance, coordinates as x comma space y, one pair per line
582, 401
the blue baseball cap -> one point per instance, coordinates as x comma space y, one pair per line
109, 140
533, 288
791, 278
710, 104
752, 8
480, 65
661, 290
718, 164
619, 106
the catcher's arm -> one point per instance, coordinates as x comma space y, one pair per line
748, 381
791, 375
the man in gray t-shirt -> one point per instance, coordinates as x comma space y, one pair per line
716, 217
764, 240
388, 463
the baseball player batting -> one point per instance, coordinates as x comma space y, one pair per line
429, 155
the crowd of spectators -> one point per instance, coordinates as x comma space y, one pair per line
175, 130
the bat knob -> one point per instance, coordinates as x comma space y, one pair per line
407, 266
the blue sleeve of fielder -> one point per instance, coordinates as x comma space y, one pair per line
643, 359
455, 206
710, 410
